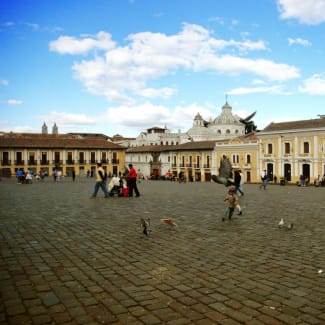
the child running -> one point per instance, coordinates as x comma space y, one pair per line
232, 201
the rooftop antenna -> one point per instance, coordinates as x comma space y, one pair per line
226, 98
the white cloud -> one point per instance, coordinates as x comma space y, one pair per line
164, 93
310, 12
4, 82
233, 65
315, 85
72, 45
155, 115
68, 119
255, 90
298, 41
126, 70
14, 102
258, 82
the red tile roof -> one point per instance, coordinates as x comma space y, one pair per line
16, 140
295, 125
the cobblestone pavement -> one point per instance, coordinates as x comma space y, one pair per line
69, 259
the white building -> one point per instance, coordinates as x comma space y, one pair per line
151, 151
225, 126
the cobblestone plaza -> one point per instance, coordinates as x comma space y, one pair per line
67, 259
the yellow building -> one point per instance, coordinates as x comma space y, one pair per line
65, 152
293, 149
243, 155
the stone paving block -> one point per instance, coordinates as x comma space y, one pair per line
91, 258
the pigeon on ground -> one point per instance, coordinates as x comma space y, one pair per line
168, 221
145, 226
225, 172
281, 223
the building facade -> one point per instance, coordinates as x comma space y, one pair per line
66, 152
293, 149
288, 150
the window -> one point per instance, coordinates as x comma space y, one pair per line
93, 157
248, 159
208, 161
269, 148
69, 157
235, 159
114, 158
57, 157
287, 148
31, 159
104, 157
306, 147
5, 157
44, 158
19, 157
81, 158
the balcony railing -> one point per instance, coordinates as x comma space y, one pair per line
6, 162
69, 161
57, 162
44, 162
32, 162
115, 161
19, 162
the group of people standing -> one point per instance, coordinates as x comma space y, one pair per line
24, 177
130, 176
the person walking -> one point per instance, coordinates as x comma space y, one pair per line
238, 180
264, 180
101, 177
73, 175
133, 181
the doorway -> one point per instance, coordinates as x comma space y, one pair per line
287, 172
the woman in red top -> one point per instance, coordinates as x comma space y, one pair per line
133, 181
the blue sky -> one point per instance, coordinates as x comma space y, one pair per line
122, 66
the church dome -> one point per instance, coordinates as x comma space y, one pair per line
226, 117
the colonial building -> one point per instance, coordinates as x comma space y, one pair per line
65, 152
286, 150
292, 149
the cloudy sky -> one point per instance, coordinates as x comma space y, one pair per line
122, 66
